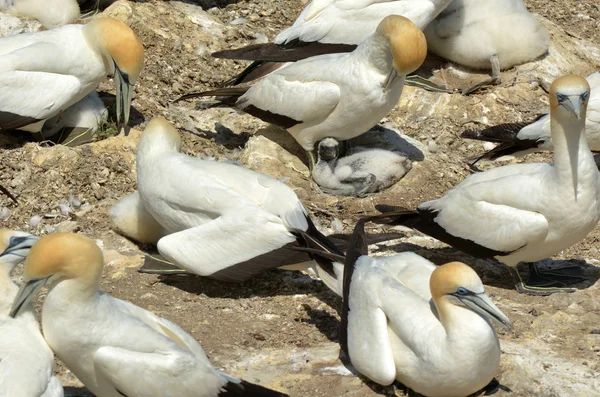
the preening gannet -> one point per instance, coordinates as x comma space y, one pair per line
519, 139
484, 34
209, 218
25, 359
524, 212
406, 319
360, 171
50, 13
325, 27
44, 73
115, 348
335, 95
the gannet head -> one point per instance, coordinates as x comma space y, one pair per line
328, 149
57, 257
124, 52
569, 97
407, 42
458, 284
14, 246
160, 134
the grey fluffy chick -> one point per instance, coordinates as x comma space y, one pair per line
360, 172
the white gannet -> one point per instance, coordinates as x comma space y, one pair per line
519, 139
524, 212
210, 218
43, 73
325, 27
406, 319
336, 95
78, 123
50, 13
484, 34
25, 359
115, 348
360, 171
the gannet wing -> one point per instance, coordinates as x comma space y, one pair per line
32, 87
234, 237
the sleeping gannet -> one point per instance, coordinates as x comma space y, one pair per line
484, 34
335, 95
325, 27
428, 327
519, 139
115, 348
523, 212
360, 171
25, 359
50, 13
43, 73
210, 218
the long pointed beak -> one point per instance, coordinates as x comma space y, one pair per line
575, 105
482, 304
21, 246
124, 93
25, 295
390, 79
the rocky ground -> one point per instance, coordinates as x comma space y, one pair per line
281, 329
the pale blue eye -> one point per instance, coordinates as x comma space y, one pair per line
462, 291
561, 97
584, 96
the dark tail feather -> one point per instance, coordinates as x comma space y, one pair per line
318, 242
8, 193
229, 94
293, 51
393, 215
256, 70
247, 389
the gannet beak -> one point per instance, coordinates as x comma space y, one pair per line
124, 92
482, 304
20, 246
390, 79
25, 294
574, 104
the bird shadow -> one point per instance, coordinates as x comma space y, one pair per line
223, 136
380, 137
71, 391
207, 4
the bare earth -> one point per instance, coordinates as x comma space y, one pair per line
281, 329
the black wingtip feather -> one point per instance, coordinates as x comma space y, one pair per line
247, 389
229, 93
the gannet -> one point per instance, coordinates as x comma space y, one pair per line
335, 95
524, 212
405, 319
50, 13
25, 359
211, 218
115, 348
360, 171
43, 73
484, 34
78, 123
519, 139
325, 27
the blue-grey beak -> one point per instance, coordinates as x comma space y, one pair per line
124, 93
483, 305
574, 104
25, 295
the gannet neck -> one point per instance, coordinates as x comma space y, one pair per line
459, 321
8, 289
159, 137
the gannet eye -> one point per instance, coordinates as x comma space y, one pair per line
14, 240
462, 291
584, 96
561, 97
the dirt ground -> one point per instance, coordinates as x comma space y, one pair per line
280, 329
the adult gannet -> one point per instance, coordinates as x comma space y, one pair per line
43, 73
50, 13
115, 348
325, 27
210, 218
519, 139
405, 319
360, 171
484, 34
336, 95
25, 358
524, 212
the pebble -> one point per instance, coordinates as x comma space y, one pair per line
432, 146
34, 222
261, 38
4, 214
487, 146
239, 21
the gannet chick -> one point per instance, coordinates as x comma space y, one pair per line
26, 360
524, 212
360, 172
78, 123
114, 347
519, 139
484, 34
50, 13
336, 95
35, 86
209, 218
325, 27
428, 327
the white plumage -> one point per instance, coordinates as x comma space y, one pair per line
50, 13
360, 171
25, 359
